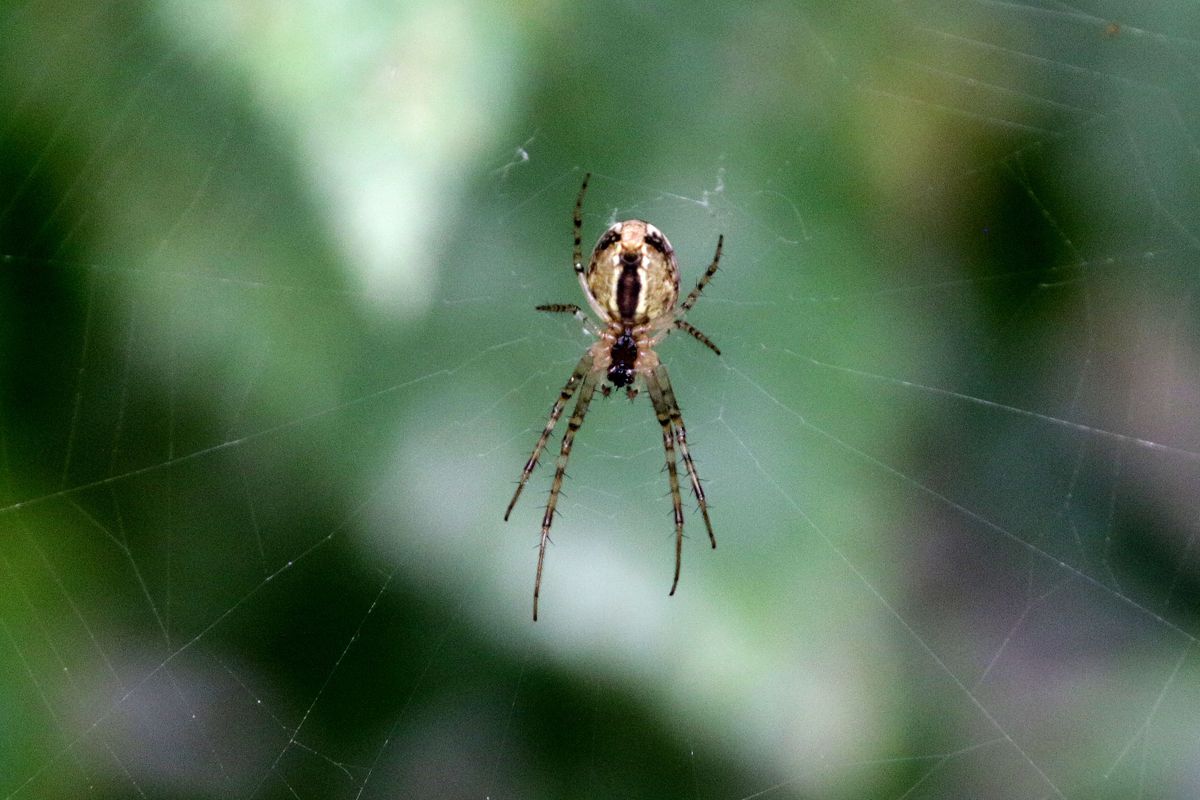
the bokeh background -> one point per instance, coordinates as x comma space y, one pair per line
269, 369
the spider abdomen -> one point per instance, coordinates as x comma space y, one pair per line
632, 277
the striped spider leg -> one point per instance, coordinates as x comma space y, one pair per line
631, 283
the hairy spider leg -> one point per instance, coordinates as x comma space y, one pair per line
581, 370
708, 273
578, 251
664, 381
562, 308
691, 330
575, 311
663, 412
564, 453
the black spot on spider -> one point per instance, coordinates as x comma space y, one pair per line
608, 239
623, 355
657, 242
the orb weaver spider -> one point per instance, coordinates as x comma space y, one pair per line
632, 283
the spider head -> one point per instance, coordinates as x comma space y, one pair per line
622, 357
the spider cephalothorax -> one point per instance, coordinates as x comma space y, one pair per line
632, 283
622, 358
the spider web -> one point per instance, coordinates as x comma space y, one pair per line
271, 367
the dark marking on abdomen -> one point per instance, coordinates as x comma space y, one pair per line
609, 238
629, 288
656, 242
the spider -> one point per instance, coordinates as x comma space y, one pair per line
632, 283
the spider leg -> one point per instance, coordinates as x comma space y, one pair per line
662, 410
708, 273
556, 410
691, 330
564, 453
562, 308
574, 310
578, 251
681, 437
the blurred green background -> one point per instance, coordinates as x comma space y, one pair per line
269, 369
